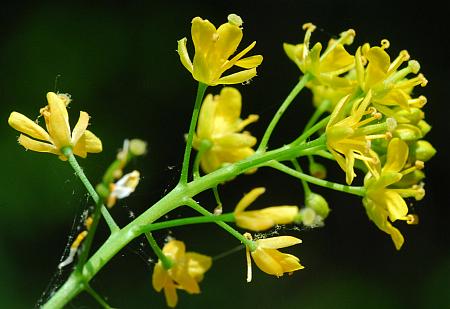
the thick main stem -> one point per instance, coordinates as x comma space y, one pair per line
74, 285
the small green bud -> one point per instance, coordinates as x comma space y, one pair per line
318, 203
424, 127
410, 179
317, 170
408, 132
138, 147
413, 115
422, 150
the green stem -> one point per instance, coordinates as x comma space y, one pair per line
80, 173
217, 196
305, 185
312, 130
194, 205
173, 199
187, 151
97, 297
300, 85
229, 217
360, 191
166, 262
317, 113
205, 145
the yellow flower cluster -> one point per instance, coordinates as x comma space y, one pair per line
375, 119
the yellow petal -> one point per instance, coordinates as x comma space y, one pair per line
396, 205
228, 109
198, 264
378, 66
203, 35
337, 61
232, 155
159, 277
396, 236
294, 52
181, 275
88, 143
397, 154
237, 78
229, 37
25, 125
249, 198
349, 163
253, 221
280, 214
184, 55
249, 62
288, 262
58, 121
170, 292
38, 146
228, 64
266, 262
235, 140
278, 242
210, 162
80, 127
205, 126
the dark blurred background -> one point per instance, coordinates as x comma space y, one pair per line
119, 63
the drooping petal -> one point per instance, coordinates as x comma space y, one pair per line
205, 126
159, 277
396, 205
253, 221
170, 293
27, 126
184, 55
249, 198
92, 142
288, 262
38, 146
238, 77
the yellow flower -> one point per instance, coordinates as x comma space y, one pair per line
59, 135
263, 219
328, 67
348, 136
213, 47
382, 202
269, 259
185, 274
219, 125
389, 86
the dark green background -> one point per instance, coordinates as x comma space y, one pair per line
119, 63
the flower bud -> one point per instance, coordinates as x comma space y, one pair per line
408, 132
138, 147
318, 203
422, 150
413, 115
317, 170
424, 127
410, 179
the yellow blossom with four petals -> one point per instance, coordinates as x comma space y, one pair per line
186, 272
213, 47
269, 259
220, 125
58, 134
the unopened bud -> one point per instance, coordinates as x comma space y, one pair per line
422, 150
424, 127
138, 147
408, 132
317, 170
413, 114
318, 203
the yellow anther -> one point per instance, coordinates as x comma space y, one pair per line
412, 219
419, 164
309, 27
418, 102
391, 124
414, 66
385, 44
235, 20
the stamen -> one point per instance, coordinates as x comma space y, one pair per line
385, 44
418, 80
249, 261
235, 20
391, 124
402, 57
412, 219
418, 102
